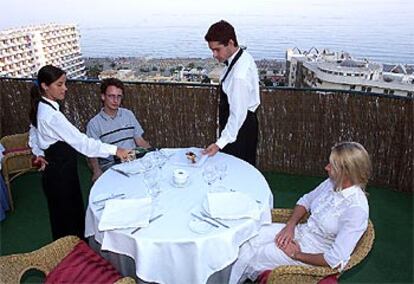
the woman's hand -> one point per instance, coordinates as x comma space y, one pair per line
123, 154
285, 236
291, 249
40, 162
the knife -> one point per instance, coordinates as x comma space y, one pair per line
150, 220
204, 220
214, 219
109, 197
120, 172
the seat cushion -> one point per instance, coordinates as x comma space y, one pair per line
83, 265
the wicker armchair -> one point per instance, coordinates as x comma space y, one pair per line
17, 160
313, 274
45, 259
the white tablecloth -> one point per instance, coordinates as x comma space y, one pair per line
167, 251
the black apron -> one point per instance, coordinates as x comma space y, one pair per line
246, 143
62, 189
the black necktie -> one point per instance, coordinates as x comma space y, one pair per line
226, 62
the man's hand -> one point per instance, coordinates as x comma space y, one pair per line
96, 174
211, 150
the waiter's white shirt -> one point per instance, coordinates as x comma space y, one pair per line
53, 126
242, 89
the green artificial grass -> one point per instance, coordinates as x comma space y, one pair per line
390, 260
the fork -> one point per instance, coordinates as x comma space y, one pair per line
151, 220
214, 219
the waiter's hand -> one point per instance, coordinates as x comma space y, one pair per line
211, 150
123, 154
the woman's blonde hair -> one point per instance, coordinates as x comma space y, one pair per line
350, 160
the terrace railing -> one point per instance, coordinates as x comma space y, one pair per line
297, 126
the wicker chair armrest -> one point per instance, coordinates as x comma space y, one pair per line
15, 140
12, 267
126, 280
282, 215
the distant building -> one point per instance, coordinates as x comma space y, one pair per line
338, 70
23, 51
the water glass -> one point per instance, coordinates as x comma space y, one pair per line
209, 175
221, 169
147, 163
151, 180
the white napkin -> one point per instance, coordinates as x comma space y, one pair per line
180, 158
232, 205
125, 213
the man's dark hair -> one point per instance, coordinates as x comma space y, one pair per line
222, 32
111, 82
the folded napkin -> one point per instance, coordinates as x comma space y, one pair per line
180, 158
101, 198
232, 205
125, 213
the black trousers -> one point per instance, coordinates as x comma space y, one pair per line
246, 143
63, 193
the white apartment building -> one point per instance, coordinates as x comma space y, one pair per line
23, 51
339, 71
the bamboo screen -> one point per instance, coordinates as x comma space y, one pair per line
297, 127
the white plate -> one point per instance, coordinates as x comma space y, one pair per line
199, 227
180, 158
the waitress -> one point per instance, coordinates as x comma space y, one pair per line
59, 142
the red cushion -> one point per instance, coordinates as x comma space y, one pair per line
263, 276
83, 265
331, 279
14, 150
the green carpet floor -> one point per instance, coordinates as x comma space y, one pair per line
390, 261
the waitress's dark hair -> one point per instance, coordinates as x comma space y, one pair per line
47, 74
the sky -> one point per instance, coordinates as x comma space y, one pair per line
125, 12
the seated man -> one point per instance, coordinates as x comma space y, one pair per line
113, 125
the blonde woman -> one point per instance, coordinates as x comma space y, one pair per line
338, 218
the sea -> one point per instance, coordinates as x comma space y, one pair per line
380, 31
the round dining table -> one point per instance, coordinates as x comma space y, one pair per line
177, 247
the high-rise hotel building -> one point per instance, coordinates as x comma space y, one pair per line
23, 51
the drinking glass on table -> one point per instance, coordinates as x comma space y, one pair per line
151, 180
221, 169
147, 163
158, 158
209, 175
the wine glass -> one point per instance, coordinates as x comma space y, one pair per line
221, 169
158, 158
151, 180
147, 163
209, 175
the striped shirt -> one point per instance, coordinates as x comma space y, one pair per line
120, 130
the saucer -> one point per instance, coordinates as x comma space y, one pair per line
180, 185
199, 227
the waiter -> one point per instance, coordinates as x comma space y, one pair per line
239, 95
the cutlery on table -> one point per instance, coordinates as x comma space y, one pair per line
120, 172
109, 197
214, 219
150, 220
204, 220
